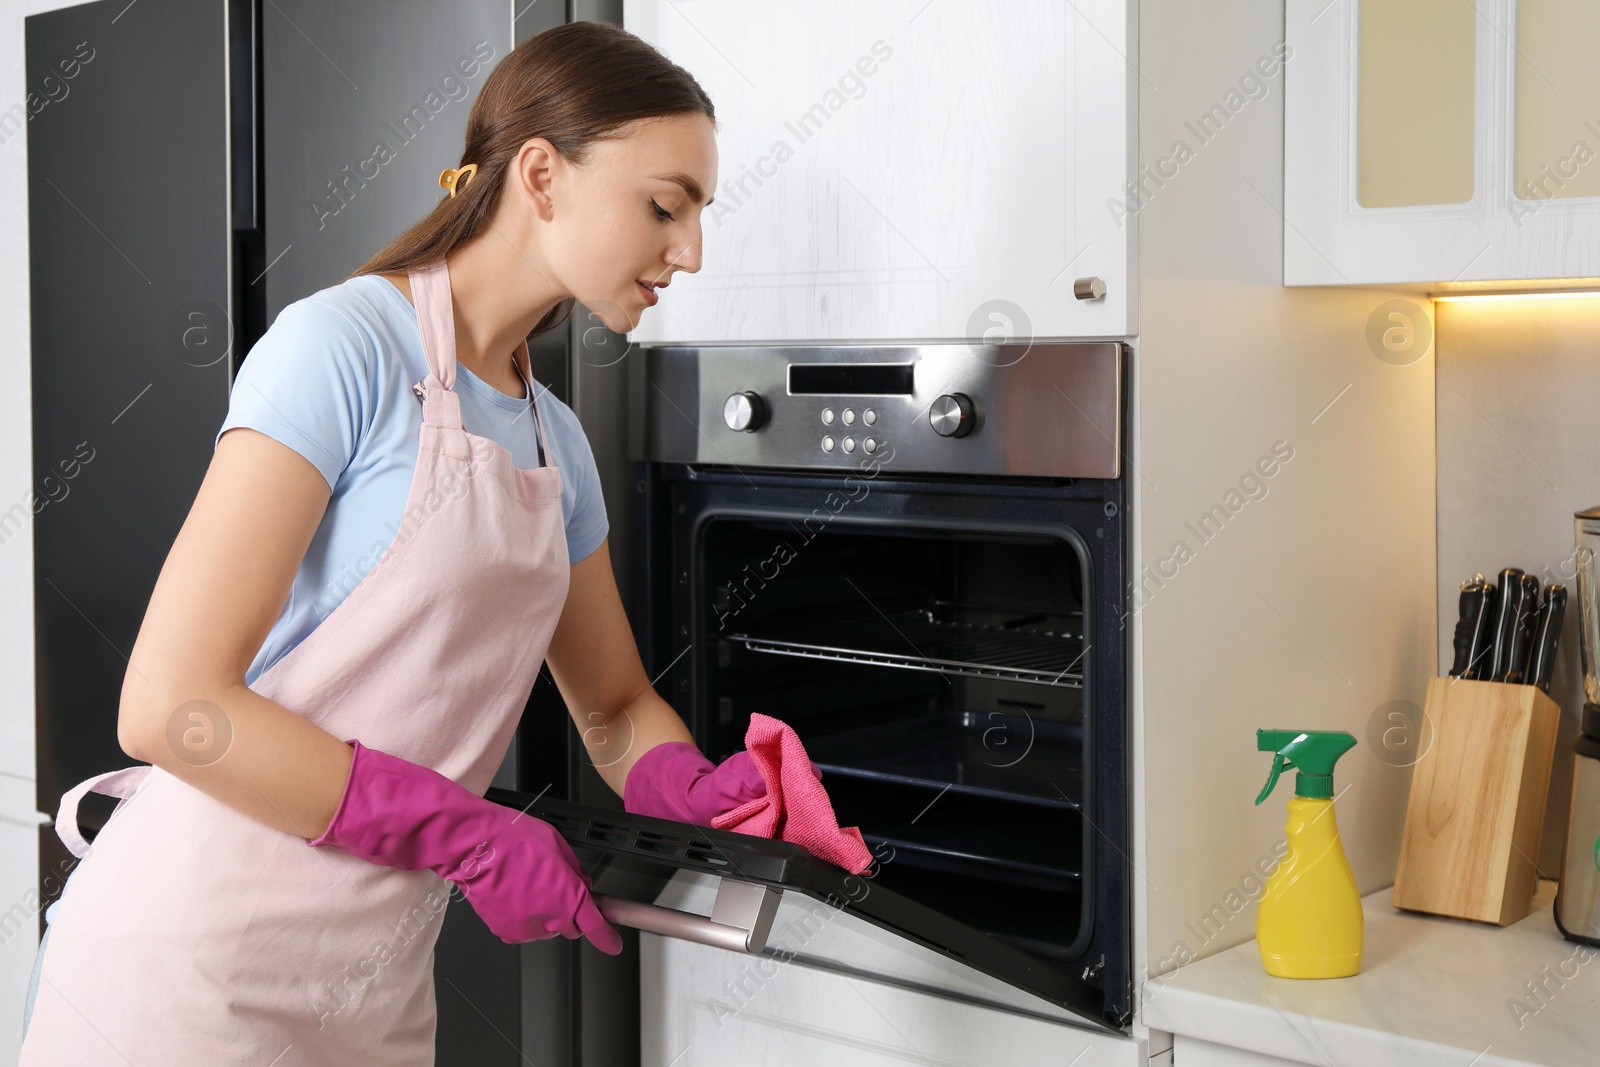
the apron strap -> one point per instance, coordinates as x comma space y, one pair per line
436, 320
436, 323
122, 783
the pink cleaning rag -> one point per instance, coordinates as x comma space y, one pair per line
796, 807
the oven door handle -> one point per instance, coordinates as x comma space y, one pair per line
741, 918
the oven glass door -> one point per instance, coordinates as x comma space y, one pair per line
937, 674
773, 899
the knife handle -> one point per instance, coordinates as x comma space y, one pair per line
1481, 660
1473, 602
1505, 623
1543, 664
1522, 632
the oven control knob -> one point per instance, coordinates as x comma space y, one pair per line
951, 415
744, 411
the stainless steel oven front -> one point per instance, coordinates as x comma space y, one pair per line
914, 555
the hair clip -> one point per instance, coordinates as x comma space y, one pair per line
457, 178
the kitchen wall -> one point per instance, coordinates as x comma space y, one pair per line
1311, 603
1518, 452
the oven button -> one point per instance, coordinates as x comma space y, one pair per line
870, 444
827, 444
849, 444
744, 411
849, 416
869, 417
827, 416
951, 415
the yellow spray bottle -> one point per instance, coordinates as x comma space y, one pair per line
1309, 922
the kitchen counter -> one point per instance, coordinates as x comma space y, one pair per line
1432, 991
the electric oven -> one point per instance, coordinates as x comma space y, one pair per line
913, 555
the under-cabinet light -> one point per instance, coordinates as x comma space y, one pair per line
1560, 294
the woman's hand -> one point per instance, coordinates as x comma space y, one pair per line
516, 871
676, 781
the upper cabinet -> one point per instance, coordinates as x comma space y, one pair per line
903, 170
1441, 141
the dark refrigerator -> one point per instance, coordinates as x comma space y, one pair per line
199, 165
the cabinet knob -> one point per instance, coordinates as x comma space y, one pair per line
951, 415
744, 411
1090, 288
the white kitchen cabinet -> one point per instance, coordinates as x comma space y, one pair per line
1438, 142
903, 170
701, 1005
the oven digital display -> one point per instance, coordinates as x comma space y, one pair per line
854, 379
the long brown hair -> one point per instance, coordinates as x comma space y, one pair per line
573, 85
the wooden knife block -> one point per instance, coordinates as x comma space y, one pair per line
1471, 839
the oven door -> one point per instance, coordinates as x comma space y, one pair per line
772, 898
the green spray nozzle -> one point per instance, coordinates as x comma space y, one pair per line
1312, 753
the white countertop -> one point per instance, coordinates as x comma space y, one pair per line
1432, 990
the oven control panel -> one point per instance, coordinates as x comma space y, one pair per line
1039, 409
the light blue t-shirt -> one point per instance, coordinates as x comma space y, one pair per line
331, 378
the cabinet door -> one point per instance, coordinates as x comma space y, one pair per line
905, 171
701, 1005
1435, 142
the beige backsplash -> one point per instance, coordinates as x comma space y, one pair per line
1518, 429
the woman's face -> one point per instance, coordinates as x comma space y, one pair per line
621, 219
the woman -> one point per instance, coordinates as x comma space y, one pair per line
393, 534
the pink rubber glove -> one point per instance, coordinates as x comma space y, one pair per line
517, 872
674, 780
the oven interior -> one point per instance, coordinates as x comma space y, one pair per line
937, 676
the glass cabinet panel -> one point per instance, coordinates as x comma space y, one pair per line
1415, 94
1557, 131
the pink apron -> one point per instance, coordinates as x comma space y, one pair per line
192, 934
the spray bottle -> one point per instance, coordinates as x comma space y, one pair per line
1309, 923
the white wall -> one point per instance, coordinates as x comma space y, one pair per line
1314, 607
1518, 445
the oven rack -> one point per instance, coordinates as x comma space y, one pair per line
1053, 909
1011, 759
957, 861
919, 640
